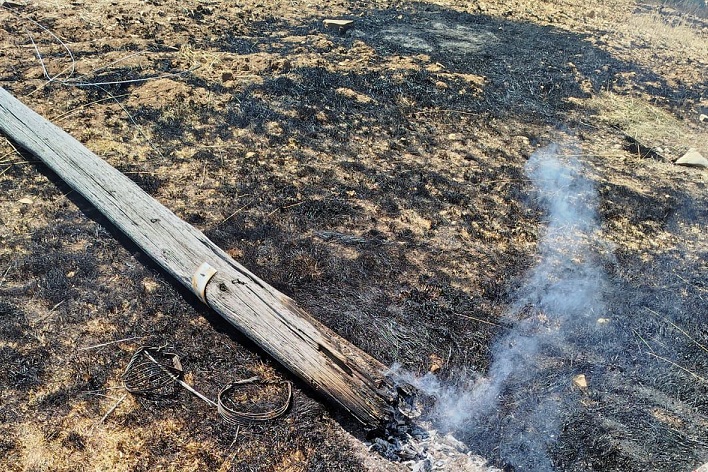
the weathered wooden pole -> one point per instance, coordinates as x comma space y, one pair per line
306, 347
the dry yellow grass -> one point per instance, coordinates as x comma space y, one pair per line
677, 34
651, 126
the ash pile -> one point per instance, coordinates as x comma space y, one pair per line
413, 440
424, 449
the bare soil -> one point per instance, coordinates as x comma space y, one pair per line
376, 177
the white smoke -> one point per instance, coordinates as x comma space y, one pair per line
515, 408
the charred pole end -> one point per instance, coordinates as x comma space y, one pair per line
324, 360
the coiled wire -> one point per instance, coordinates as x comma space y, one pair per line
154, 371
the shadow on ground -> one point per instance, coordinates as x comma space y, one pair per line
377, 178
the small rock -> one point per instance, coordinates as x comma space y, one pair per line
26, 201
580, 381
703, 118
226, 76
341, 26
693, 158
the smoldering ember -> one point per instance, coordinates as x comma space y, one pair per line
343, 236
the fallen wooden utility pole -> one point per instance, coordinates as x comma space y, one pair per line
313, 352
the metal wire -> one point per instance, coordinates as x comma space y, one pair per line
146, 375
156, 371
239, 417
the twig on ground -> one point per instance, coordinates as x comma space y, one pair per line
99, 391
57, 305
285, 207
505, 181
679, 329
204, 173
129, 81
106, 66
478, 319
654, 354
132, 120
234, 214
642, 339
693, 374
113, 408
76, 109
2, 159
96, 346
50, 312
238, 429
230, 459
447, 110
4, 275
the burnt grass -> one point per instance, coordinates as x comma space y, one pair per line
375, 177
